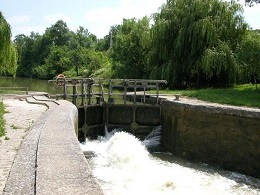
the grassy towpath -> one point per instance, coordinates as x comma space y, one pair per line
240, 95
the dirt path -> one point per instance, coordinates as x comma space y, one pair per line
19, 118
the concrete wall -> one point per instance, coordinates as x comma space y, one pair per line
50, 160
225, 136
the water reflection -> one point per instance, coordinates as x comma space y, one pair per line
37, 85
32, 84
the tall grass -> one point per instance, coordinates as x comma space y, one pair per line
2, 121
240, 95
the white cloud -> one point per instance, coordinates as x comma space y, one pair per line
252, 15
99, 20
52, 19
23, 19
21, 25
28, 29
141, 8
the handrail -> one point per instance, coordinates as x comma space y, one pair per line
87, 86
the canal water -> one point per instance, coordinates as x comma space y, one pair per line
32, 84
38, 85
123, 166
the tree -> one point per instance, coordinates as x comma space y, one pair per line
38, 51
56, 63
129, 48
195, 40
60, 50
249, 55
85, 38
100, 65
58, 33
28, 54
8, 52
106, 43
251, 2
78, 58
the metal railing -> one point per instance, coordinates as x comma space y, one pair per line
135, 85
88, 88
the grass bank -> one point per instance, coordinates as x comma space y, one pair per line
240, 95
2, 121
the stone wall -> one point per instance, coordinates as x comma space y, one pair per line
225, 136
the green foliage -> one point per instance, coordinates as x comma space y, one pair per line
130, 47
56, 63
192, 43
85, 38
95, 61
249, 55
101, 66
239, 95
31, 53
60, 50
58, 34
5, 35
15, 127
201, 43
2, 121
8, 51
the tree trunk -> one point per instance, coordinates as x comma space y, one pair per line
197, 81
77, 70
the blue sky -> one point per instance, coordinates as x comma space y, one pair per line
95, 15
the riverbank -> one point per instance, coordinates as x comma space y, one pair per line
239, 95
19, 117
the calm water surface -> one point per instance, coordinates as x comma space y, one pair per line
32, 84
37, 85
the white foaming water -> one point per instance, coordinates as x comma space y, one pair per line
124, 167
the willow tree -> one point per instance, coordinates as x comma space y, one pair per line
194, 40
8, 51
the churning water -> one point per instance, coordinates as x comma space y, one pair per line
123, 166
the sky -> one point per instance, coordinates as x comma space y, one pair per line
95, 15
